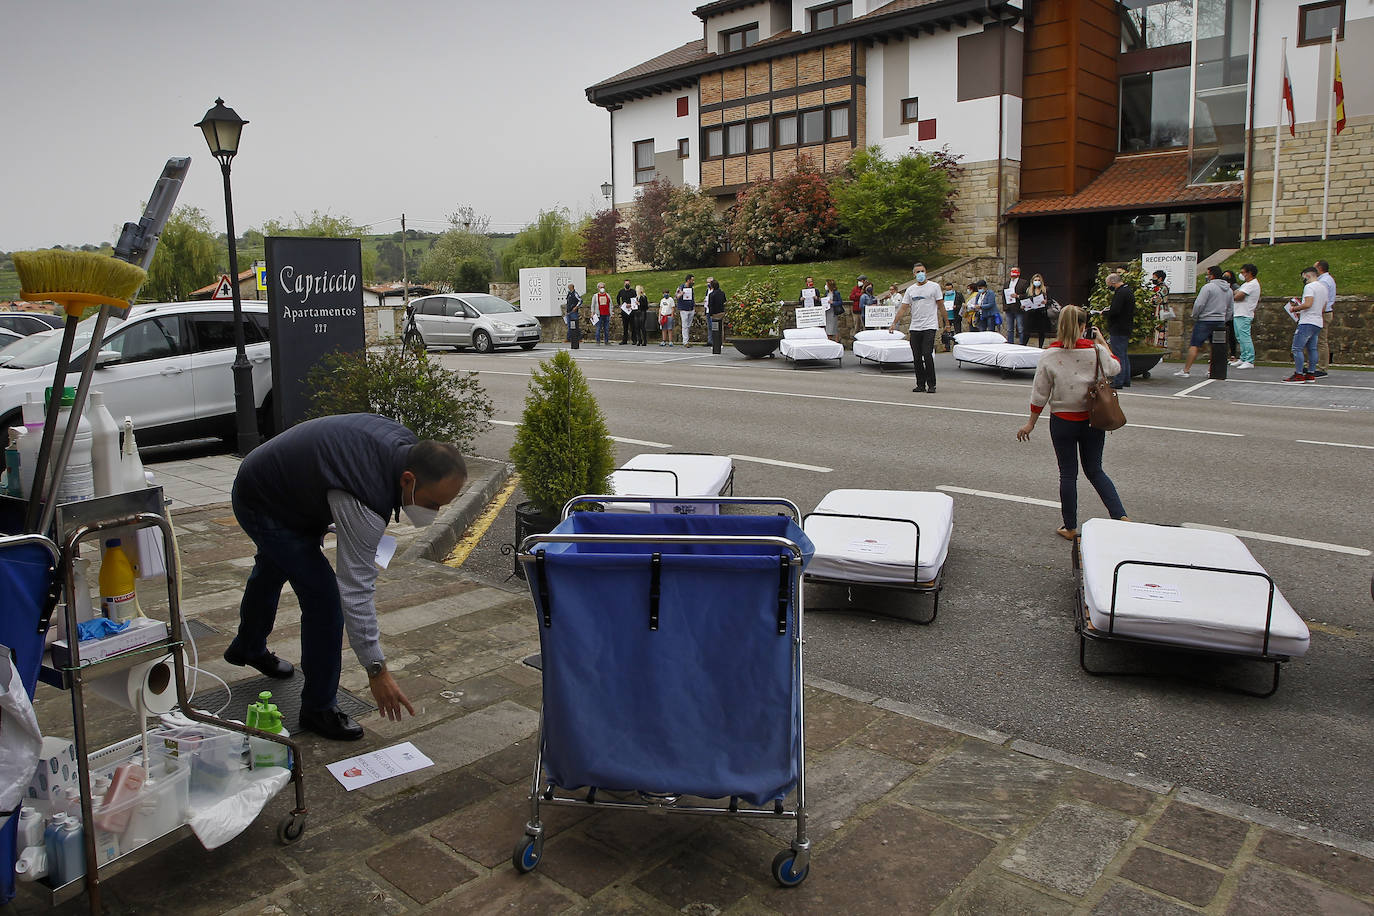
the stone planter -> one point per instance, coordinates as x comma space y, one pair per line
1142, 363
755, 347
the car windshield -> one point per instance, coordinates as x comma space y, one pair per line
43, 350
490, 305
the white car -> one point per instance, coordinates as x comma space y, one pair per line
168, 366
474, 320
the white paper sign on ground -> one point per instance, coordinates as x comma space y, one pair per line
1153, 592
811, 316
880, 316
365, 769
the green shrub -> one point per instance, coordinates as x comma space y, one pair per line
562, 448
755, 310
1143, 328
898, 208
474, 276
433, 402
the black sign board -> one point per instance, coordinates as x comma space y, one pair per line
315, 307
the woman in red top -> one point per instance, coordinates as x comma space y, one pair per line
1066, 372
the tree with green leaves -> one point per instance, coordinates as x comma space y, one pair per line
899, 208
465, 242
187, 257
647, 222
692, 231
540, 244
602, 234
324, 225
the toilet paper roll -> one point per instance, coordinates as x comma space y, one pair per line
156, 679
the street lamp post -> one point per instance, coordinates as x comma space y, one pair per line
606, 190
222, 126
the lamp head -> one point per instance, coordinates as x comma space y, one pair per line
222, 127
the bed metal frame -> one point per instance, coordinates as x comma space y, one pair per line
727, 489
790, 866
796, 363
1084, 627
932, 586
883, 364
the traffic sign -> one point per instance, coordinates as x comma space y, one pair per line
224, 289
261, 268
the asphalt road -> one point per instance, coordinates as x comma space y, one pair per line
1003, 651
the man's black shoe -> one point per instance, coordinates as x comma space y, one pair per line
333, 724
267, 663
920, 390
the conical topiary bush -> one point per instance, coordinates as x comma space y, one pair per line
562, 448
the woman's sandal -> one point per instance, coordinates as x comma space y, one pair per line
1068, 534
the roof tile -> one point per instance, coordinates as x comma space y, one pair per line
1135, 183
691, 52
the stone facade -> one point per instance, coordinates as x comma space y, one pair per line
1351, 333
974, 230
1302, 169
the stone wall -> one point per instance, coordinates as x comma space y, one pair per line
1351, 333
974, 230
1301, 174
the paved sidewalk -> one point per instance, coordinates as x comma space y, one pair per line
911, 813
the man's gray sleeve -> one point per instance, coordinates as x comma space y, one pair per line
358, 531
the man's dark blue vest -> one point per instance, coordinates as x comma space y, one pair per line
287, 478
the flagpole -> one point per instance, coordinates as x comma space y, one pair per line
1330, 122
1278, 144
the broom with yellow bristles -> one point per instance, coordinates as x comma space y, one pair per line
75, 280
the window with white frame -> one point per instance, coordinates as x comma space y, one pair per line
644, 161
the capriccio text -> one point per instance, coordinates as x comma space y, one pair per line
306, 285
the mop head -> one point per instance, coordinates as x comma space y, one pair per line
77, 279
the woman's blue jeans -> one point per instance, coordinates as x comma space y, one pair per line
1074, 439
283, 556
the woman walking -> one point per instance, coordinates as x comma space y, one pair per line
1062, 380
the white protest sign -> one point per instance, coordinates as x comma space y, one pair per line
880, 316
811, 316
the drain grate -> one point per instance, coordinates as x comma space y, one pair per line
198, 629
285, 693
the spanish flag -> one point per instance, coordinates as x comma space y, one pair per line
1339, 89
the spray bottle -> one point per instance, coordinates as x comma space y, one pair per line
130, 464
13, 485
264, 716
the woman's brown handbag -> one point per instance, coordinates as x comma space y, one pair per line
1104, 409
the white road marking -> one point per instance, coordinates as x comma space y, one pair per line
1340, 444
1191, 388
1053, 504
1320, 384
645, 442
499, 372
1184, 429
1291, 407
831, 397
782, 464
1281, 539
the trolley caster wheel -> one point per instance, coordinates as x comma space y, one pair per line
528, 852
783, 872
291, 829
1144, 375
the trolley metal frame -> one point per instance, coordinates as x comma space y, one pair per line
790, 866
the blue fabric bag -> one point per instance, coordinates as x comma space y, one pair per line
708, 703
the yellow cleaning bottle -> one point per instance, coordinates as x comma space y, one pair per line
117, 598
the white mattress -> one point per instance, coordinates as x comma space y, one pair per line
1001, 355
882, 347
870, 550
697, 475
811, 348
1210, 610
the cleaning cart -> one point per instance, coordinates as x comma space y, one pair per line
671, 647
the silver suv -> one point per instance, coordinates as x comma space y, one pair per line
476, 320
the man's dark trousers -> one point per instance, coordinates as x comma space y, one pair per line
923, 356
1118, 343
291, 556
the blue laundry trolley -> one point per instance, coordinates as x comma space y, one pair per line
671, 650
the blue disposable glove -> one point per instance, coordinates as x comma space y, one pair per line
99, 628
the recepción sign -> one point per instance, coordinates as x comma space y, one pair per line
315, 307
1180, 269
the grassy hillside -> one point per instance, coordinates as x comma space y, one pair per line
1352, 264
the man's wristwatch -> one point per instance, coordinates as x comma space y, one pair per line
375, 668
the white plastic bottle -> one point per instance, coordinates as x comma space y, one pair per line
77, 482
131, 465
29, 444
105, 456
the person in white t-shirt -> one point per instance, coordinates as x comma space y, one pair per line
924, 299
1324, 342
1247, 299
1308, 311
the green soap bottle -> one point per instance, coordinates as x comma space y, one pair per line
264, 716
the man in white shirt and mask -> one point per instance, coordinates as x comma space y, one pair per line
358, 472
924, 300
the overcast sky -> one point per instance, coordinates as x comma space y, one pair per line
363, 109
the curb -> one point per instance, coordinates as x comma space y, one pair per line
486, 477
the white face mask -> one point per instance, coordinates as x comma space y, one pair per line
419, 516
920, 276
1037, 282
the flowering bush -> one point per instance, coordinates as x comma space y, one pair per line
754, 311
1143, 327
691, 231
787, 219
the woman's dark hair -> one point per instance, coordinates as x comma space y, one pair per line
432, 461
